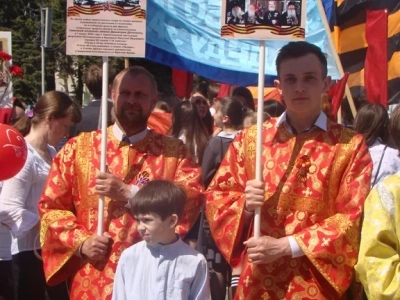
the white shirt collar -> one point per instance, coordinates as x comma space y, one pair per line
321, 122
119, 135
97, 100
228, 135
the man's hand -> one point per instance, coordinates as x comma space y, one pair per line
96, 248
266, 249
111, 186
254, 194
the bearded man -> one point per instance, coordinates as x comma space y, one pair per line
290, 17
250, 16
271, 17
71, 249
235, 16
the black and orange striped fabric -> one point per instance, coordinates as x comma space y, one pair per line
351, 41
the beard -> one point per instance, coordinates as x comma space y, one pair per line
133, 119
236, 12
291, 13
251, 13
271, 8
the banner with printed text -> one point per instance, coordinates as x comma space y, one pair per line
263, 19
106, 27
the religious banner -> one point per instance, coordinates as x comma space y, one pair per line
264, 20
106, 28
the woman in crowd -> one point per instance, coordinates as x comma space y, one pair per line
199, 98
188, 127
43, 128
372, 122
229, 116
378, 266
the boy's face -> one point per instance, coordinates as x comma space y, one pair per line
302, 83
154, 230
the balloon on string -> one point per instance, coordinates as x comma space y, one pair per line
13, 152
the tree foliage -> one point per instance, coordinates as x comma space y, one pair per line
24, 23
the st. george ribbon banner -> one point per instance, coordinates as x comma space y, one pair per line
185, 34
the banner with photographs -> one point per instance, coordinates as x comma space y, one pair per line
106, 27
187, 37
264, 19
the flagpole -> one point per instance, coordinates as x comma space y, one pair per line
335, 55
260, 120
103, 155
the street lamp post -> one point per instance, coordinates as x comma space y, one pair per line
45, 34
42, 31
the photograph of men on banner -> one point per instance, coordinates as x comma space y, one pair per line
257, 19
123, 3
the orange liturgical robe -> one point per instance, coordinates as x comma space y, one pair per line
69, 204
315, 187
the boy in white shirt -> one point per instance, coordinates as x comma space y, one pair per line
161, 266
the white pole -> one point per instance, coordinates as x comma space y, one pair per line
335, 54
104, 112
260, 120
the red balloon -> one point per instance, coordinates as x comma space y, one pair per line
13, 152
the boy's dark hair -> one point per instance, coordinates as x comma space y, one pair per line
93, 79
235, 110
273, 107
161, 197
246, 94
300, 49
213, 90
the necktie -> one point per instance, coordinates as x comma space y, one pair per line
126, 140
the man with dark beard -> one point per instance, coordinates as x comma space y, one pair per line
71, 249
290, 17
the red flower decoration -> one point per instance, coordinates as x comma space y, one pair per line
4, 56
16, 71
303, 163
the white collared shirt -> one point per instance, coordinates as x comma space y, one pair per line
321, 122
120, 135
227, 135
169, 272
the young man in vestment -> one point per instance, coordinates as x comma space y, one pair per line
69, 205
316, 177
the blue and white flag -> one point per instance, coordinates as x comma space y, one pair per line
185, 34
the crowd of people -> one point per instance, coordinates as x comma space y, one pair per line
180, 201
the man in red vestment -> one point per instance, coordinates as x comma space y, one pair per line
71, 249
315, 179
